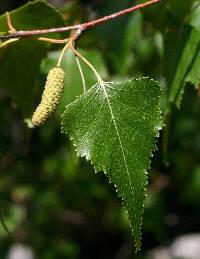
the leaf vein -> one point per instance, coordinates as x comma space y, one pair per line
118, 135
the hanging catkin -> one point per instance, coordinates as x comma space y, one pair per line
51, 96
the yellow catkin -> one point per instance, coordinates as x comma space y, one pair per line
51, 96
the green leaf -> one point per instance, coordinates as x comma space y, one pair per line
73, 84
33, 15
182, 60
194, 17
19, 71
180, 8
117, 49
156, 14
20, 60
115, 125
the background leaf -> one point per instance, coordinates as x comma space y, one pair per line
194, 17
21, 60
180, 8
118, 55
115, 125
182, 60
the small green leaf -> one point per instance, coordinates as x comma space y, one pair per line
115, 125
182, 60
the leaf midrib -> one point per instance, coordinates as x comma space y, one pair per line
118, 135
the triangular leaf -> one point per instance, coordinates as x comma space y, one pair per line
115, 125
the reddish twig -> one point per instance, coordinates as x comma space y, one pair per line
83, 26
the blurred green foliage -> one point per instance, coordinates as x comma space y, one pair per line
52, 200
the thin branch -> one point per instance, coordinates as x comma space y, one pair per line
81, 27
118, 14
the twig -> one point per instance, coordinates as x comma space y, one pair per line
83, 26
